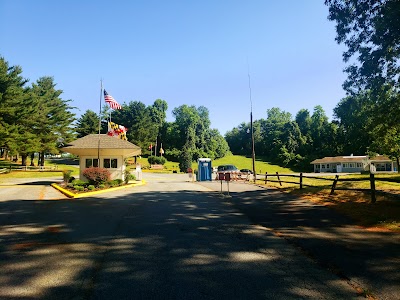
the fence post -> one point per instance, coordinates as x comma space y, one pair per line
265, 179
301, 181
334, 184
280, 183
372, 181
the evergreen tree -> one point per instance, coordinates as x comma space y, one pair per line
88, 123
12, 96
53, 122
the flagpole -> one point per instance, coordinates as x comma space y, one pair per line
98, 145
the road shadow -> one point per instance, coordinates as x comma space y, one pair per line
153, 245
370, 260
40, 182
64, 161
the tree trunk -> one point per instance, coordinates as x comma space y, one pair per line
41, 159
32, 158
23, 159
398, 166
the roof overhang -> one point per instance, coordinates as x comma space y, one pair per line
103, 152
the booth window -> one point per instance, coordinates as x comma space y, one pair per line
110, 163
92, 162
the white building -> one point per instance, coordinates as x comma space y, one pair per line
354, 164
111, 151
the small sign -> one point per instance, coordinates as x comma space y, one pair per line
221, 176
227, 176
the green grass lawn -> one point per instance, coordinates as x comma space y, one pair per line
239, 161
37, 174
242, 162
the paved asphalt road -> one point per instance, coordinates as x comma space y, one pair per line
168, 239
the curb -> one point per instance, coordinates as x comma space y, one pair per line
69, 194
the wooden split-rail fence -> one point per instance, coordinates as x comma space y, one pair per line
28, 168
372, 190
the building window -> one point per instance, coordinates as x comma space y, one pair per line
110, 163
351, 165
323, 166
92, 162
359, 165
345, 165
327, 166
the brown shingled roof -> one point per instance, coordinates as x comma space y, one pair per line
338, 159
106, 141
344, 159
90, 144
380, 158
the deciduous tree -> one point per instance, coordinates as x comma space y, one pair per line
371, 31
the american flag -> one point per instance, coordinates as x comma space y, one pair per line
111, 101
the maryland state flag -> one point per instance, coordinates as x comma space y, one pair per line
117, 130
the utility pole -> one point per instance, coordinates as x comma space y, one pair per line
253, 154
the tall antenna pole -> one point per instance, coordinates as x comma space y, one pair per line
253, 155
98, 145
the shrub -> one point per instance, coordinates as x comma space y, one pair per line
115, 182
118, 181
185, 161
156, 160
102, 186
67, 175
97, 176
129, 176
79, 188
91, 187
79, 182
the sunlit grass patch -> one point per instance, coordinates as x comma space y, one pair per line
385, 212
56, 171
242, 162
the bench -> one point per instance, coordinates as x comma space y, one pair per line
156, 167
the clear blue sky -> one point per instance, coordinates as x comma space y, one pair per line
184, 52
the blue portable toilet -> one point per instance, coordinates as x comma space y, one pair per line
204, 169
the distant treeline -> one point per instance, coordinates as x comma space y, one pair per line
35, 119
361, 126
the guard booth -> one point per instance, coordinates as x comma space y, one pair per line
204, 169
